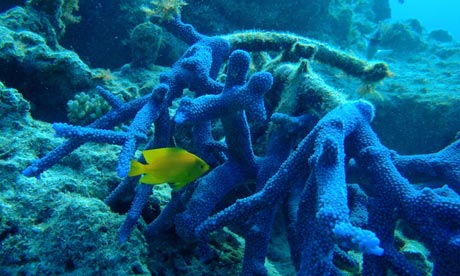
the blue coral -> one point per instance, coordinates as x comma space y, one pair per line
241, 165
120, 113
322, 211
307, 181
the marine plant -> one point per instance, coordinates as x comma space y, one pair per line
303, 171
165, 9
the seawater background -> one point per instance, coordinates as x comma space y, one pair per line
433, 14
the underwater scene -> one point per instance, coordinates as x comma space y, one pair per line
194, 137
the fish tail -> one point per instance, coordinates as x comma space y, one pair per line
137, 168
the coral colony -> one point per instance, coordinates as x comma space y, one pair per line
302, 172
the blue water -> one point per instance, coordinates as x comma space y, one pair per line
433, 14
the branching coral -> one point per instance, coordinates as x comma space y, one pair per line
306, 180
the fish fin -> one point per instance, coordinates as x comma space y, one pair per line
150, 179
173, 140
160, 153
177, 186
136, 168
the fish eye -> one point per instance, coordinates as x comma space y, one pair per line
201, 166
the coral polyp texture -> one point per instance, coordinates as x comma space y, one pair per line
292, 153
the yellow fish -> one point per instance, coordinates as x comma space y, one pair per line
169, 165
